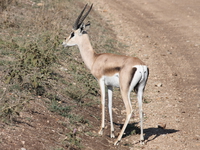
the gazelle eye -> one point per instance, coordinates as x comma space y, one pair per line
72, 34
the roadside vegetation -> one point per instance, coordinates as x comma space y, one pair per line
38, 74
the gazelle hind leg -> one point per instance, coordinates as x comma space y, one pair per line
128, 116
125, 92
110, 91
139, 97
140, 92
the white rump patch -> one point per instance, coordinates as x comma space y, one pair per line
140, 76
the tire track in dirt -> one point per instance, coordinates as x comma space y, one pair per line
165, 34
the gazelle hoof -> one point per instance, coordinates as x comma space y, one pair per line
112, 134
101, 132
141, 142
116, 142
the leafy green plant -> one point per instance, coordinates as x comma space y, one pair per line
4, 4
84, 85
33, 67
73, 140
76, 119
9, 111
30, 47
58, 108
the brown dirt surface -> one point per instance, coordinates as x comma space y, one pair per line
165, 35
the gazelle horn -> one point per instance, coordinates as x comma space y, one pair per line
80, 20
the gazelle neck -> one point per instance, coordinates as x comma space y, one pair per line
86, 50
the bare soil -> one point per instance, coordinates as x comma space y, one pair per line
165, 35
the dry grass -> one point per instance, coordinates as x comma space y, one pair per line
34, 65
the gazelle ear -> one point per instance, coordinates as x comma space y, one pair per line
84, 27
87, 26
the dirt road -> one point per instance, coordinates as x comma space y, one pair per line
165, 35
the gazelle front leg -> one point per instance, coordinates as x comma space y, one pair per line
102, 88
110, 91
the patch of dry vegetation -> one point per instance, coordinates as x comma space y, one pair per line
34, 66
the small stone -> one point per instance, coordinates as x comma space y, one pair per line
146, 56
23, 142
158, 84
64, 69
23, 148
161, 125
174, 74
196, 138
40, 4
198, 105
123, 111
115, 110
168, 52
80, 129
163, 55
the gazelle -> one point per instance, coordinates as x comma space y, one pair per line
127, 73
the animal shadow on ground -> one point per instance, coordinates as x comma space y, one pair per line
132, 129
156, 132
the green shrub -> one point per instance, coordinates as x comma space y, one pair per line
32, 68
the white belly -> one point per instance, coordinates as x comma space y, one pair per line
112, 80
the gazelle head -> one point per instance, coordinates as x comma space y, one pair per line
79, 28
